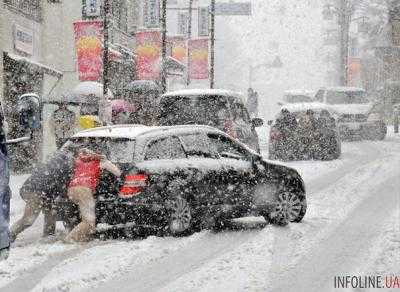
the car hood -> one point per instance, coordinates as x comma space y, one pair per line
351, 108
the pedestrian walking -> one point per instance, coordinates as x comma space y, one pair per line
47, 182
87, 169
252, 103
63, 124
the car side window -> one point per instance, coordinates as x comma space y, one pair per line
165, 148
227, 148
241, 113
196, 144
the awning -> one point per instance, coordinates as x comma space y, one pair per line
44, 68
174, 67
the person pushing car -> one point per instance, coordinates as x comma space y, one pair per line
87, 169
47, 182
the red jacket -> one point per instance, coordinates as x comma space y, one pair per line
86, 172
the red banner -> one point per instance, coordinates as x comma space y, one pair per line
198, 49
354, 72
178, 48
89, 47
148, 50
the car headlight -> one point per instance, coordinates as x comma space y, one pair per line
374, 117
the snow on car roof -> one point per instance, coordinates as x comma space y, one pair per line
302, 107
343, 89
133, 131
197, 92
299, 92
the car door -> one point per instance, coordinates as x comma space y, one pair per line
204, 168
237, 169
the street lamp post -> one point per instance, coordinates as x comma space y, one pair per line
105, 60
344, 20
189, 36
212, 45
163, 45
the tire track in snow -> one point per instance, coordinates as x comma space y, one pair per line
157, 274
285, 275
338, 253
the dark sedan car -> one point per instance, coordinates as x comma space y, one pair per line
184, 178
291, 137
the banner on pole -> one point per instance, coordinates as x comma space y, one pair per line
204, 22
198, 54
89, 49
151, 13
177, 48
354, 72
148, 50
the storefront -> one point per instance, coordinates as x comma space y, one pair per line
21, 76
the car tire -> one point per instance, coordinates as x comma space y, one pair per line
290, 206
4, 253
179, 221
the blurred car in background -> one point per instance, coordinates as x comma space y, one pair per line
357, 117
297, 96
222, 109
290, 139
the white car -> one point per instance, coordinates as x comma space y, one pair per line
357, 117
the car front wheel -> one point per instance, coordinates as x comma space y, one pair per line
288, 207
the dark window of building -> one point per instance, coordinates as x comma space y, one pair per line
31, 8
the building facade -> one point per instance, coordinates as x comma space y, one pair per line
37, 50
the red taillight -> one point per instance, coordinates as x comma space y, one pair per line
275, 135
228, 128
134, 184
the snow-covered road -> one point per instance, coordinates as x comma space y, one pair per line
352, 227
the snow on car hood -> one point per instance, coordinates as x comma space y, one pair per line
351, 108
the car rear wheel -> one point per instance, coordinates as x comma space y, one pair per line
180, 216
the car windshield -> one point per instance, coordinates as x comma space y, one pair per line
117, 150
346, 97
204, 110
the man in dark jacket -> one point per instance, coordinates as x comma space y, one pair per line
286, 123
47, 182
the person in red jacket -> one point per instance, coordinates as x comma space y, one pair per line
82, 187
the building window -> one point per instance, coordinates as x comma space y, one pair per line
120, 14
31, 8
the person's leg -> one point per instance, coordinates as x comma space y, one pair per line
59, 143
32, 210
49, 225
84, 198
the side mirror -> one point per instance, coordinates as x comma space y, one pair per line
257, 122
270, 122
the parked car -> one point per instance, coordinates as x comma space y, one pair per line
297, 96
289, 141
179, 179
357, 116
222, 109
